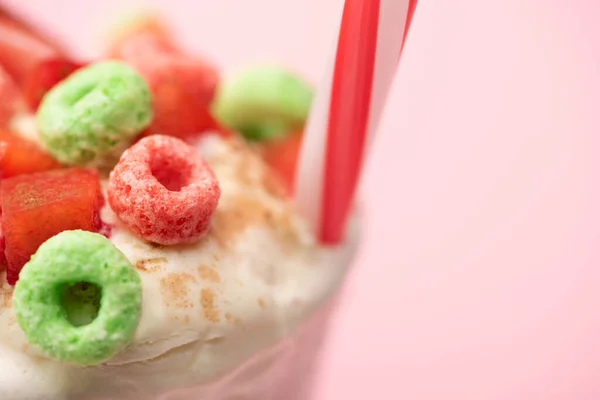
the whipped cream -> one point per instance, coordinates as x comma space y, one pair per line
216, 313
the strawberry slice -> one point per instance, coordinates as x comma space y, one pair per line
282, 156
182, 86
33, 63
9, 98
38, 206
20, 156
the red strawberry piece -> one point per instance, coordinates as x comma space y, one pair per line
9, 98
182, 86
282, 156
19, 156
38, 206
20, 51
30, 60
182, 91
43, 78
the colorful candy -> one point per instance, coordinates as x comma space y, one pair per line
163, 191
79, 299
182, 86
93, 111
263, 102
20, 156
38, 206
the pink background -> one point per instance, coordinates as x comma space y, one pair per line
479, 278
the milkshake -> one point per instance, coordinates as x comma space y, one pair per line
234, 308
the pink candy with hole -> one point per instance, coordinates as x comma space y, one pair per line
164, 191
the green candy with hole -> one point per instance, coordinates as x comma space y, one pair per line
93, 112
263, 102
79, 299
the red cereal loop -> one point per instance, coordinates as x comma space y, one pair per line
164, 191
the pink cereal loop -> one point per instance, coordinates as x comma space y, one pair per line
164, 191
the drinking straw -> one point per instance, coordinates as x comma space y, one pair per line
347, 109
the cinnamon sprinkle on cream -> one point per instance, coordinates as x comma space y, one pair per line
209, 309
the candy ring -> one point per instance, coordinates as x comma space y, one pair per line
70, 278
263, 102
93, 111
164, 191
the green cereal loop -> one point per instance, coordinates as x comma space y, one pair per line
94, 110
64, 260
263, 102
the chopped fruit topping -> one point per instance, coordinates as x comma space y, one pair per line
282, 156
20, 51
182, 86
182, 90
38, 206
33, 63
263, 102
164, 191
19, 156
44, 77
9, 98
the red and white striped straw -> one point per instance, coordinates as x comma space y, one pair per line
347, 110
